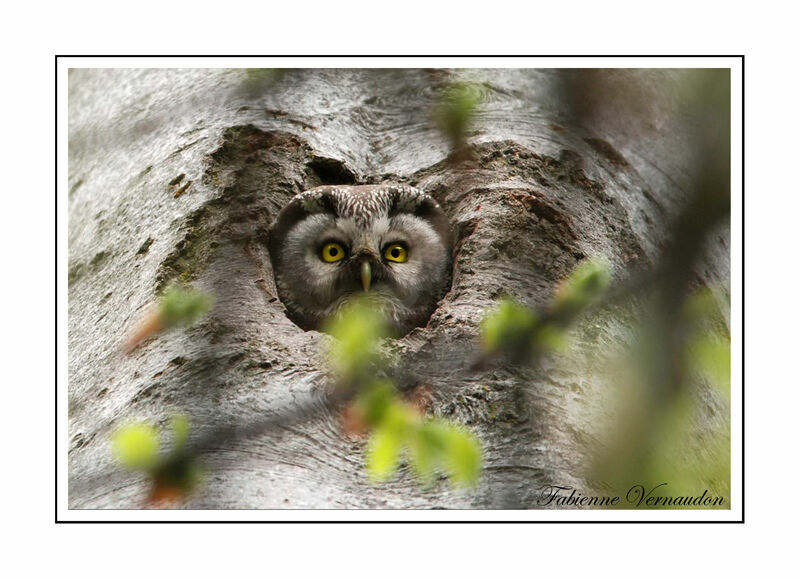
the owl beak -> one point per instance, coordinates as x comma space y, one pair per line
366, 275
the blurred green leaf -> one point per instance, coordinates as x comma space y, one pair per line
180, 430
440, 446
259, 81
356, 331
457, 108
508, 326
550, 337
183, 306
434, 446
397, 428
136, 445
517, 330
383, 453
426, 449
709, 345
669, 438
376, 401
588, 281
700, 306
712, 354
464, 456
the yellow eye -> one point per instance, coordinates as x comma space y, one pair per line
395, 252
332, 252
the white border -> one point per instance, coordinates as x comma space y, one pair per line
735, 514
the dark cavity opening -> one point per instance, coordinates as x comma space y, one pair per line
331, 172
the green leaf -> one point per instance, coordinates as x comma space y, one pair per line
423, 461
356, 331
136, 445
709, 345
464, 457
426, 449
713, 357
383, 453
182, 306
550, 337
258, 81
444, 447
180, 430
588, 281
509, 327
457, 108
701, 306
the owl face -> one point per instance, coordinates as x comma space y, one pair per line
391, 243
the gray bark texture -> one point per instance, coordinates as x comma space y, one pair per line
541, 189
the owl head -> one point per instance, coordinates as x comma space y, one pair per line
390, 243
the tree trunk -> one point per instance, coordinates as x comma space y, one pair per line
543, 187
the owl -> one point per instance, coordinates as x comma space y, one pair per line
331, 244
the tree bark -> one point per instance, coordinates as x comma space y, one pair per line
543, 187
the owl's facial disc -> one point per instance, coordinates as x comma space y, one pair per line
390, 242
